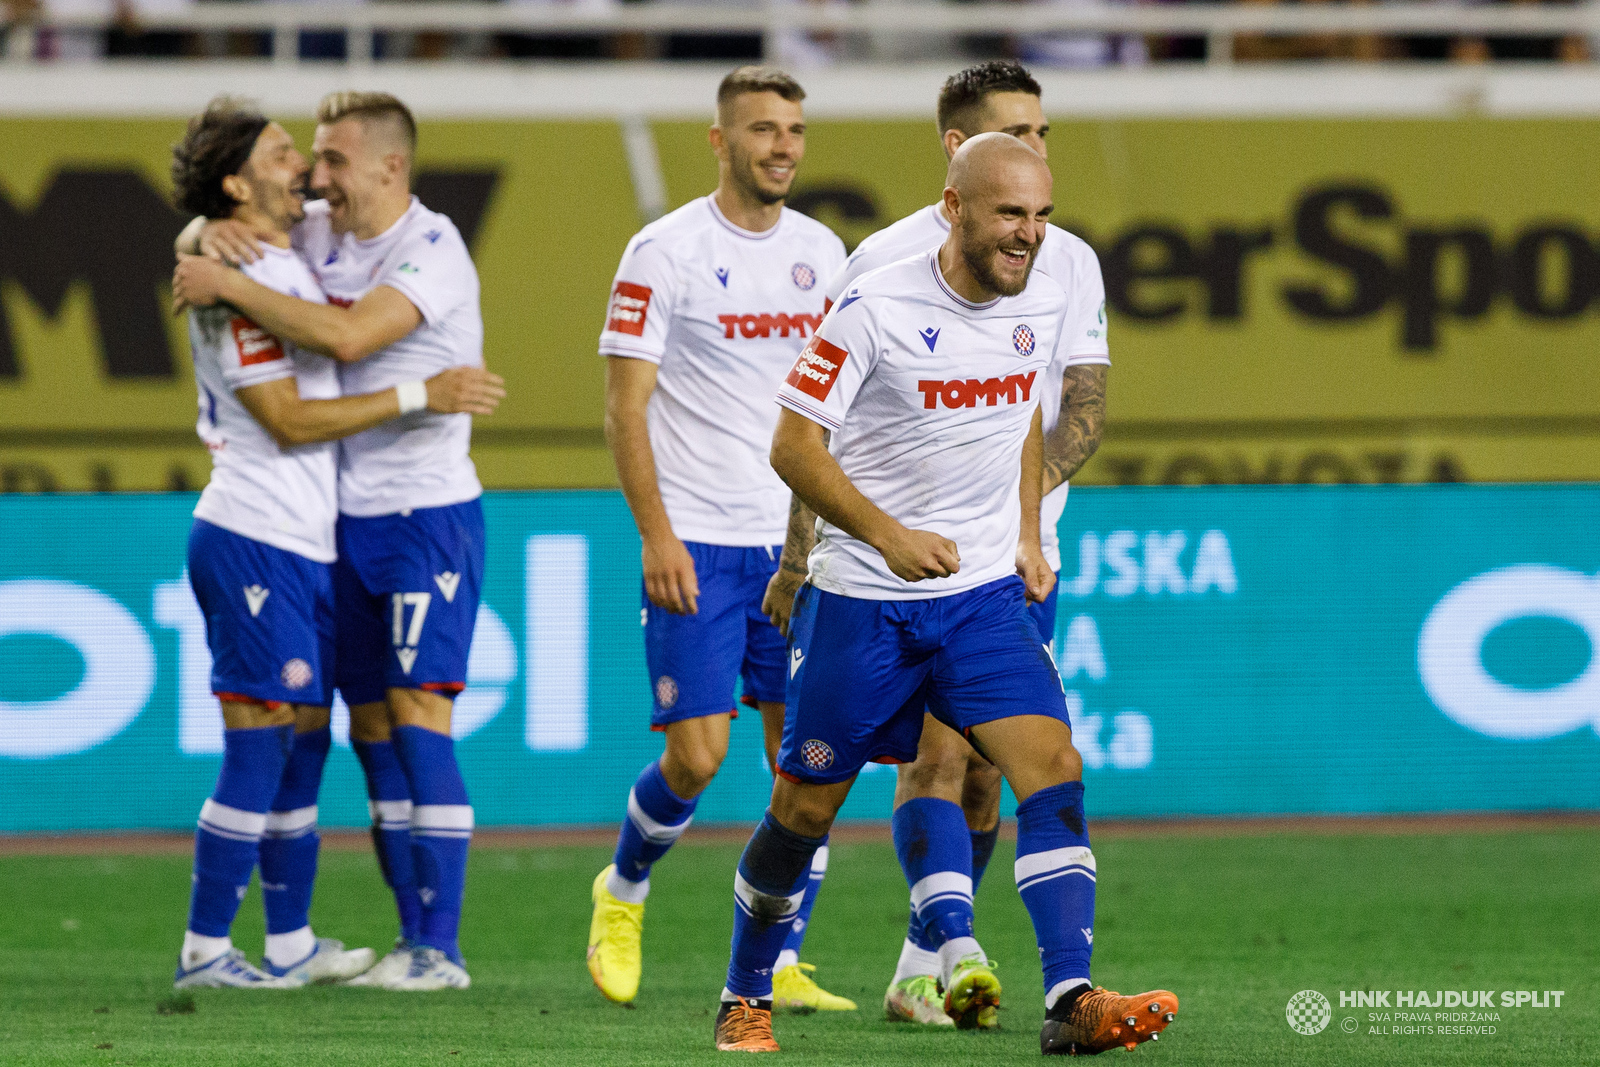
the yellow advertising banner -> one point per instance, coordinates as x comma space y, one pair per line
1310, 300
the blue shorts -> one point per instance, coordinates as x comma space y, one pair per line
867, 669
269, 618
406, 587
694, 660
1044, 613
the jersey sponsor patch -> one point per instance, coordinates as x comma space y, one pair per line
966, 392
817, 368
255, 344
630, 304
762, 325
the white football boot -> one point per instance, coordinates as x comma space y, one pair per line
228, 971
392, 967
431, 969
329, 961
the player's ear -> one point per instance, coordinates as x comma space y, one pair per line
952, 141
718, 143
236, 187
952, 204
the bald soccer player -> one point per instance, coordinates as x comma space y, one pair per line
917, 597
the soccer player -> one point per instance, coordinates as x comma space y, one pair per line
926, 373
709, 308
403, 303
259, 561
951, 795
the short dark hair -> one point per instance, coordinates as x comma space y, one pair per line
966, 90
382, 107
217, 143
758, 79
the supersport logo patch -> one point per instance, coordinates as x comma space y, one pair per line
817, 368
630, 304
255, 344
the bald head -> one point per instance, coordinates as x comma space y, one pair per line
998, 198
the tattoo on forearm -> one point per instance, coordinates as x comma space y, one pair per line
1083, 414
802, 535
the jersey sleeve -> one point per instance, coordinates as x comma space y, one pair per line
433, 270
1083, 337
642, 297
251, 355
832, 367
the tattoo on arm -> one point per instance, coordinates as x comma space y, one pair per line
802, 535
1083, 414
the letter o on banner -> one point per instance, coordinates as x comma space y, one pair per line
119, 668
1450, 652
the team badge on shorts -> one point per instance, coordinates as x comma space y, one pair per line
296, 674
1022, 341
803, 275
816, 755
666, 691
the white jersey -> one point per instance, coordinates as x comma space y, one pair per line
930, 399
723, 312
1063, 256
420, 460
283, 497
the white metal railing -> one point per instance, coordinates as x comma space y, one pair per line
1219, 24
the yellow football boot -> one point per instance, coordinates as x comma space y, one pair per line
793, 990
614, 959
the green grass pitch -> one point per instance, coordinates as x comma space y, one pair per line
1234, 925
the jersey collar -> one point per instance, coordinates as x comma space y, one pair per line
938, 276
749, 235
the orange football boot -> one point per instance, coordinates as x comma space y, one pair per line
1100, 1020
745, 1026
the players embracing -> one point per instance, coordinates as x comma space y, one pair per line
402, 305
710, 306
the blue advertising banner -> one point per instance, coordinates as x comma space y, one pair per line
1223, 651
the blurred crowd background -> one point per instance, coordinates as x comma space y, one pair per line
30, 32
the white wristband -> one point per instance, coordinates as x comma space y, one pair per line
413, 396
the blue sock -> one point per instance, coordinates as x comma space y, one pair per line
289, 845
767, 890
983, 842
935, 850
1055, 875
657, 817
819, 871
228, 839
441, 830
389, 802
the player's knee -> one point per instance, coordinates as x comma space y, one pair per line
939, 770
369, 723
688, 769
980, 794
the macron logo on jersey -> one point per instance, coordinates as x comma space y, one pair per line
255, 344
630, 304
965, 392
817, 368
763, 325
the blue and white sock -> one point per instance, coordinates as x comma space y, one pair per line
657, 817
935, 850
983, 842
441, 830
289, 851
797, 931
1055, 875
227, 841
767, 891
389, 802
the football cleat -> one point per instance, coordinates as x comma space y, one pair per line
228, 971
1100, 1020
794, 990
614, 960
745, 1026
916, 1000
430, 969
329, 961
973, 987
391, 968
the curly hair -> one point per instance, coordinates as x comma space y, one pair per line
218, 143
966, 90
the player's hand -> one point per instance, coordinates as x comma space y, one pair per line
918, 554
778, 603
1035, 573
197, 282
669, 578
472, 390
230, 241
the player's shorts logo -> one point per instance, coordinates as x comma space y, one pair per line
816, 755
1309, 1012
296, 674
803, 275
666, 691
1022, 341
